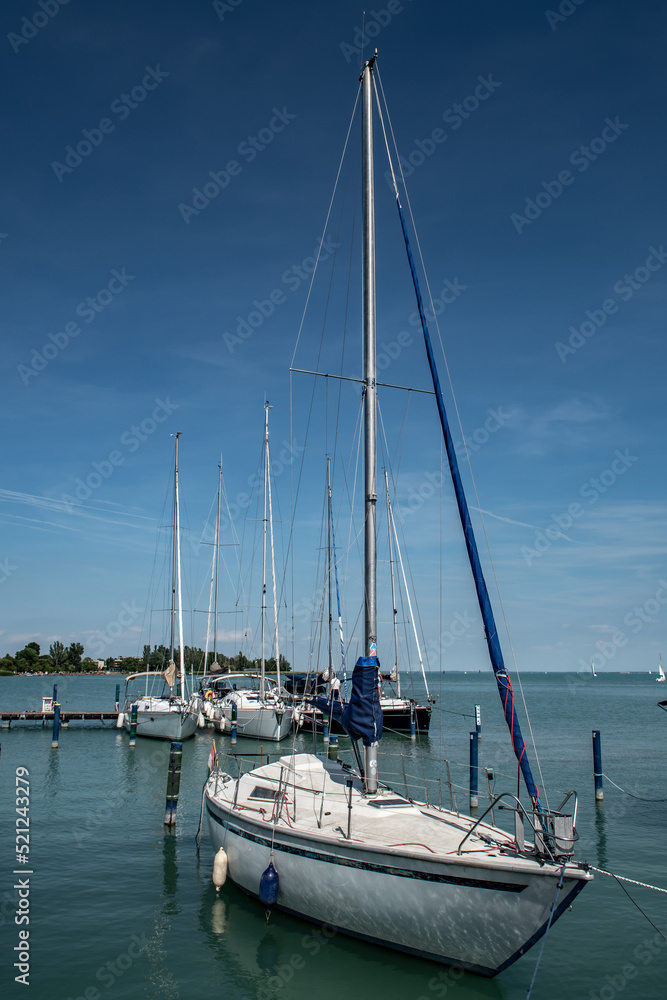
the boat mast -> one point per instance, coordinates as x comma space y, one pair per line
173, 561
393, 589
217, 570
329, 566
273, 567
266, 476
370, 393
177, 547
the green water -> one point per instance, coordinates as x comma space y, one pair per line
121, 908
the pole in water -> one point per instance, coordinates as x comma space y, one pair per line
233, 724
349, 807
597, 765
333, 748
117, 695
474, 771
478, 721
56, 724
413, 721
173, 783
133, 724
325, 728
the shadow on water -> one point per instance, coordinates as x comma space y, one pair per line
288, 957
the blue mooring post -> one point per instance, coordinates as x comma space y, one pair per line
413, 721
597, 765
325, 728
56, 724
474, 772
173, 783
233, 725
133, 724
478, 721
333, 748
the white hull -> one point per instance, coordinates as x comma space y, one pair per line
477, 910
162, 720
254, 720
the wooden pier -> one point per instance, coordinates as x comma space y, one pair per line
66, 716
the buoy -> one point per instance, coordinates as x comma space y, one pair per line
120, 721
268, 886
201, 721
219, 869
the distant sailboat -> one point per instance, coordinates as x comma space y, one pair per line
661, 673
593, 669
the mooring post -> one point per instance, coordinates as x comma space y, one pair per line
325, 728
173, 783
597, 765
478, 721
233, 724
133, 724
413, 721
117, 696
56, 724
474, 772
333, 748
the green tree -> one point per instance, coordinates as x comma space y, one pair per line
74, 654
58, 655
131, 664
27, 659
7, 664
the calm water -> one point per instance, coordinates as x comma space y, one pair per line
120, 908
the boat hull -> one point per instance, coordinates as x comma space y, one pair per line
158, 725
453, 913
394, 720
255, 722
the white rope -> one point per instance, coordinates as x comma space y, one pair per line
644, 885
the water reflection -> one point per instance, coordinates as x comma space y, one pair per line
601, 834
290, 958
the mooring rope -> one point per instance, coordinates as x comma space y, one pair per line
645, 885
632, 796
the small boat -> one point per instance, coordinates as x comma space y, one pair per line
661, 673
164, 711
340, 846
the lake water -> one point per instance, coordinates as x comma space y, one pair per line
121, 908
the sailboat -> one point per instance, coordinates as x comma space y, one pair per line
161, 713
593, 674
322, 841
661, 673
258, 708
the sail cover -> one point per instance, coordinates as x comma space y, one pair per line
361, 717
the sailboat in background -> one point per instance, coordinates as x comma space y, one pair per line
593, 669
319, 840
162, 714
661, 673
259, 709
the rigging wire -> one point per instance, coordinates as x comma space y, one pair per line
456, 408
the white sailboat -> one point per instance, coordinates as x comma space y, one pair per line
321, 841
593, 669
164, 713
661, 673
259, 709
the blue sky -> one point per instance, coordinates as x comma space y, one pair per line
535, 143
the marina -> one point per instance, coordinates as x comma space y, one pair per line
190, 936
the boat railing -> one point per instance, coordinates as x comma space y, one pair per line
554, 832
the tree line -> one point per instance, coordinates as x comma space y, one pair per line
71, 659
